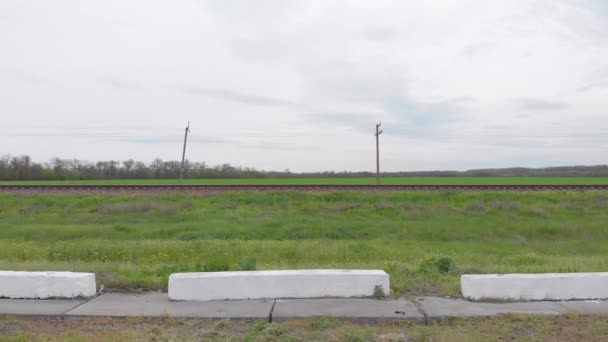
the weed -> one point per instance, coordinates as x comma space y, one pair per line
187, 205
421, 333
441, 264
378, 292
359, 334
572, 315
263, 331
33, 208
575, 207
230, 206
600, 202
538, 212
347, 207
126, 207
248, 264
503, 205
292, 256
169, 210
476, 206
393, 267
411, 207
323, 323
216, 265
20, 336
519, 239
221, 324
188, 236
382, 205
275, 329
121, 228
361, 249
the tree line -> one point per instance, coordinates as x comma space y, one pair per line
15, 168
24, 168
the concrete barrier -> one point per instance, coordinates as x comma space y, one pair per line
548, 286
276, 284
43, 285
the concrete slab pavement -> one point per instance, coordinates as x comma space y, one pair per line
438, 308
587, 306
422, 309
346, 308
159, 305
34, 307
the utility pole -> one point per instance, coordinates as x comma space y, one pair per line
378, 132
181, 171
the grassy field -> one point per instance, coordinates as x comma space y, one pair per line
388, 180
510, 328
424, 240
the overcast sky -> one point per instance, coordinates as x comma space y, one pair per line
300, 84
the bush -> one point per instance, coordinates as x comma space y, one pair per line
441, 264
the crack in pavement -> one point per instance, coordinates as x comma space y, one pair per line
418, 306
274, 302
85, 301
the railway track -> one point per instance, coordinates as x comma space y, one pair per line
306, 188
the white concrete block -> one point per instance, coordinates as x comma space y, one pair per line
42, 285
276, 284
547, 286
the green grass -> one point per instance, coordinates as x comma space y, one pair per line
137, 241
387, 180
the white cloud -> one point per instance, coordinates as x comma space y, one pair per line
300, 85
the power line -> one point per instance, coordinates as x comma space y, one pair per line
418, 134
112, 135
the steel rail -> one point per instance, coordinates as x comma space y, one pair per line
303, 187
